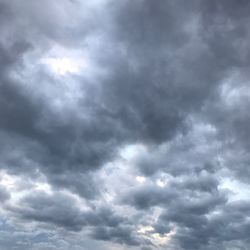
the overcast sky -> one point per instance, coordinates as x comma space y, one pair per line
124, 125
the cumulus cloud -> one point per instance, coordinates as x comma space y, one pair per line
124, 124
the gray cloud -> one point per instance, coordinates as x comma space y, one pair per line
4, 195
62, 211
126, 123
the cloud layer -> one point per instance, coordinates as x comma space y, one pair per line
124, 125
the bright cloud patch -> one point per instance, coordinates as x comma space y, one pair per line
62, 66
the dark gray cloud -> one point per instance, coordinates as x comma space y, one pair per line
124, 124
4, 195
61, 210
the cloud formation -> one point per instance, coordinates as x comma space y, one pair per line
124, 125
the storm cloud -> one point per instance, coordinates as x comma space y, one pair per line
124, 124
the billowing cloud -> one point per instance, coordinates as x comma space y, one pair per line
124, 125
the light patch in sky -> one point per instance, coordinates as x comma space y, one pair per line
163, 239
63, 61
239, 190
63, 66
13, 185
45, 187
145, 229
160, 183
7, 181
156, 238
140, 179
235, 95
163, 180
131, 151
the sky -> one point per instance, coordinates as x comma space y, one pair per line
124, 125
